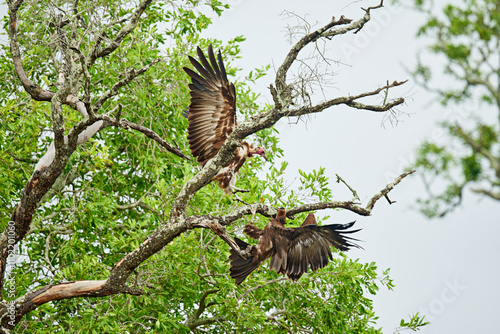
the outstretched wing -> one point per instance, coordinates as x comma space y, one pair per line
212, 112
308, 246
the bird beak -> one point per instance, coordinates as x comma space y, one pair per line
263, 154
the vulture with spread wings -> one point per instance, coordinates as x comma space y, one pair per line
292, 250
212, 117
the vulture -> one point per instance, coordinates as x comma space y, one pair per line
292, 250
212, 117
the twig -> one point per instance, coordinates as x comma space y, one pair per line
354, 193
386, 190
222, 233
123, 123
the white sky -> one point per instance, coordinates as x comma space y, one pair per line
447, 268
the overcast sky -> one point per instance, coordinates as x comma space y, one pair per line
447, 269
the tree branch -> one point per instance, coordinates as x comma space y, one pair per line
467, 138
386, 190
281, 94
294, 51
130, 75
351, 102
31, 301
494, 195
194, 320
36, 92
354, 193
100, 52
123, 123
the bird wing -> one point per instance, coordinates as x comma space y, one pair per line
310, 220
308, 246
212, 112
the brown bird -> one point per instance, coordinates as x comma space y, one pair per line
212, 117
292, 250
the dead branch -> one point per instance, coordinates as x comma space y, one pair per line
354, 193
351, 102
31, 301
386, 190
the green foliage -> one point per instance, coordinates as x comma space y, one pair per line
471, 168
415, 323
465, 35
119, 186
434, 158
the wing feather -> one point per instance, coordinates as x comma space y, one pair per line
308, 246
310, 220
212, 112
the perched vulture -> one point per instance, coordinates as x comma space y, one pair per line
212, 117
292, 250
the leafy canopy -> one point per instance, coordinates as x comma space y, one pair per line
466, 36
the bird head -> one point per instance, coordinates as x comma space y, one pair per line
281, 215
260, 151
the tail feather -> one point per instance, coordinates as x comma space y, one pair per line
336, 235
240, 267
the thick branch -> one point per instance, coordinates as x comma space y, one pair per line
31, 301
35, 91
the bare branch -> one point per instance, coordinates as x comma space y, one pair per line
31, 301
354, 193
281, 97
386, 190
351, 101
294, 51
